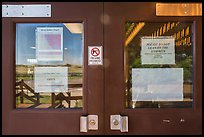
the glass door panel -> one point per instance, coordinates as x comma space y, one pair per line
158, 67
49, 65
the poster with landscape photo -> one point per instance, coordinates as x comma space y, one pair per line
49, 43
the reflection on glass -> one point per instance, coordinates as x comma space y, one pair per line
181, 32
49, 65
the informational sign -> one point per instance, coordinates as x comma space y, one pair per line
95, 55
157, 84
51, 79
158, 50
49, 43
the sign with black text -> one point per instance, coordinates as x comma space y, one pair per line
158, 50
51, 79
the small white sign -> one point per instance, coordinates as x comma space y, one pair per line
95, 55
158, 50
51, 79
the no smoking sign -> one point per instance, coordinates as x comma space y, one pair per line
95, 56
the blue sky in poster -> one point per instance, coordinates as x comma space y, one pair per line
25, 40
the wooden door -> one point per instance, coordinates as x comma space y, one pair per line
24, 110
121, 29
128, 24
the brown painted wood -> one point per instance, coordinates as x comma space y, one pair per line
58, 121
103, 85
146, 120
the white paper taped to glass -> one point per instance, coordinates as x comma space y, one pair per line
157, 84
51, 79
158, 50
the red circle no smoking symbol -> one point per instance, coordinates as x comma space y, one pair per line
95, 52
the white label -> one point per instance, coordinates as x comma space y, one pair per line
51, 79
34, 10
158, 50
95, 55
157, 84
49, 43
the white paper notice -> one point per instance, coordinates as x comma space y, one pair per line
158, 50
51, 79
157, 84
49, 43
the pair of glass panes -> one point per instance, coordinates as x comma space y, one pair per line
158, 65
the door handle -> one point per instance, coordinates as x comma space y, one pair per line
118, 122
89, 122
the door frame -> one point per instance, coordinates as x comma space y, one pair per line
103, 86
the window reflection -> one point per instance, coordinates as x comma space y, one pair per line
49, 45
181, 32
